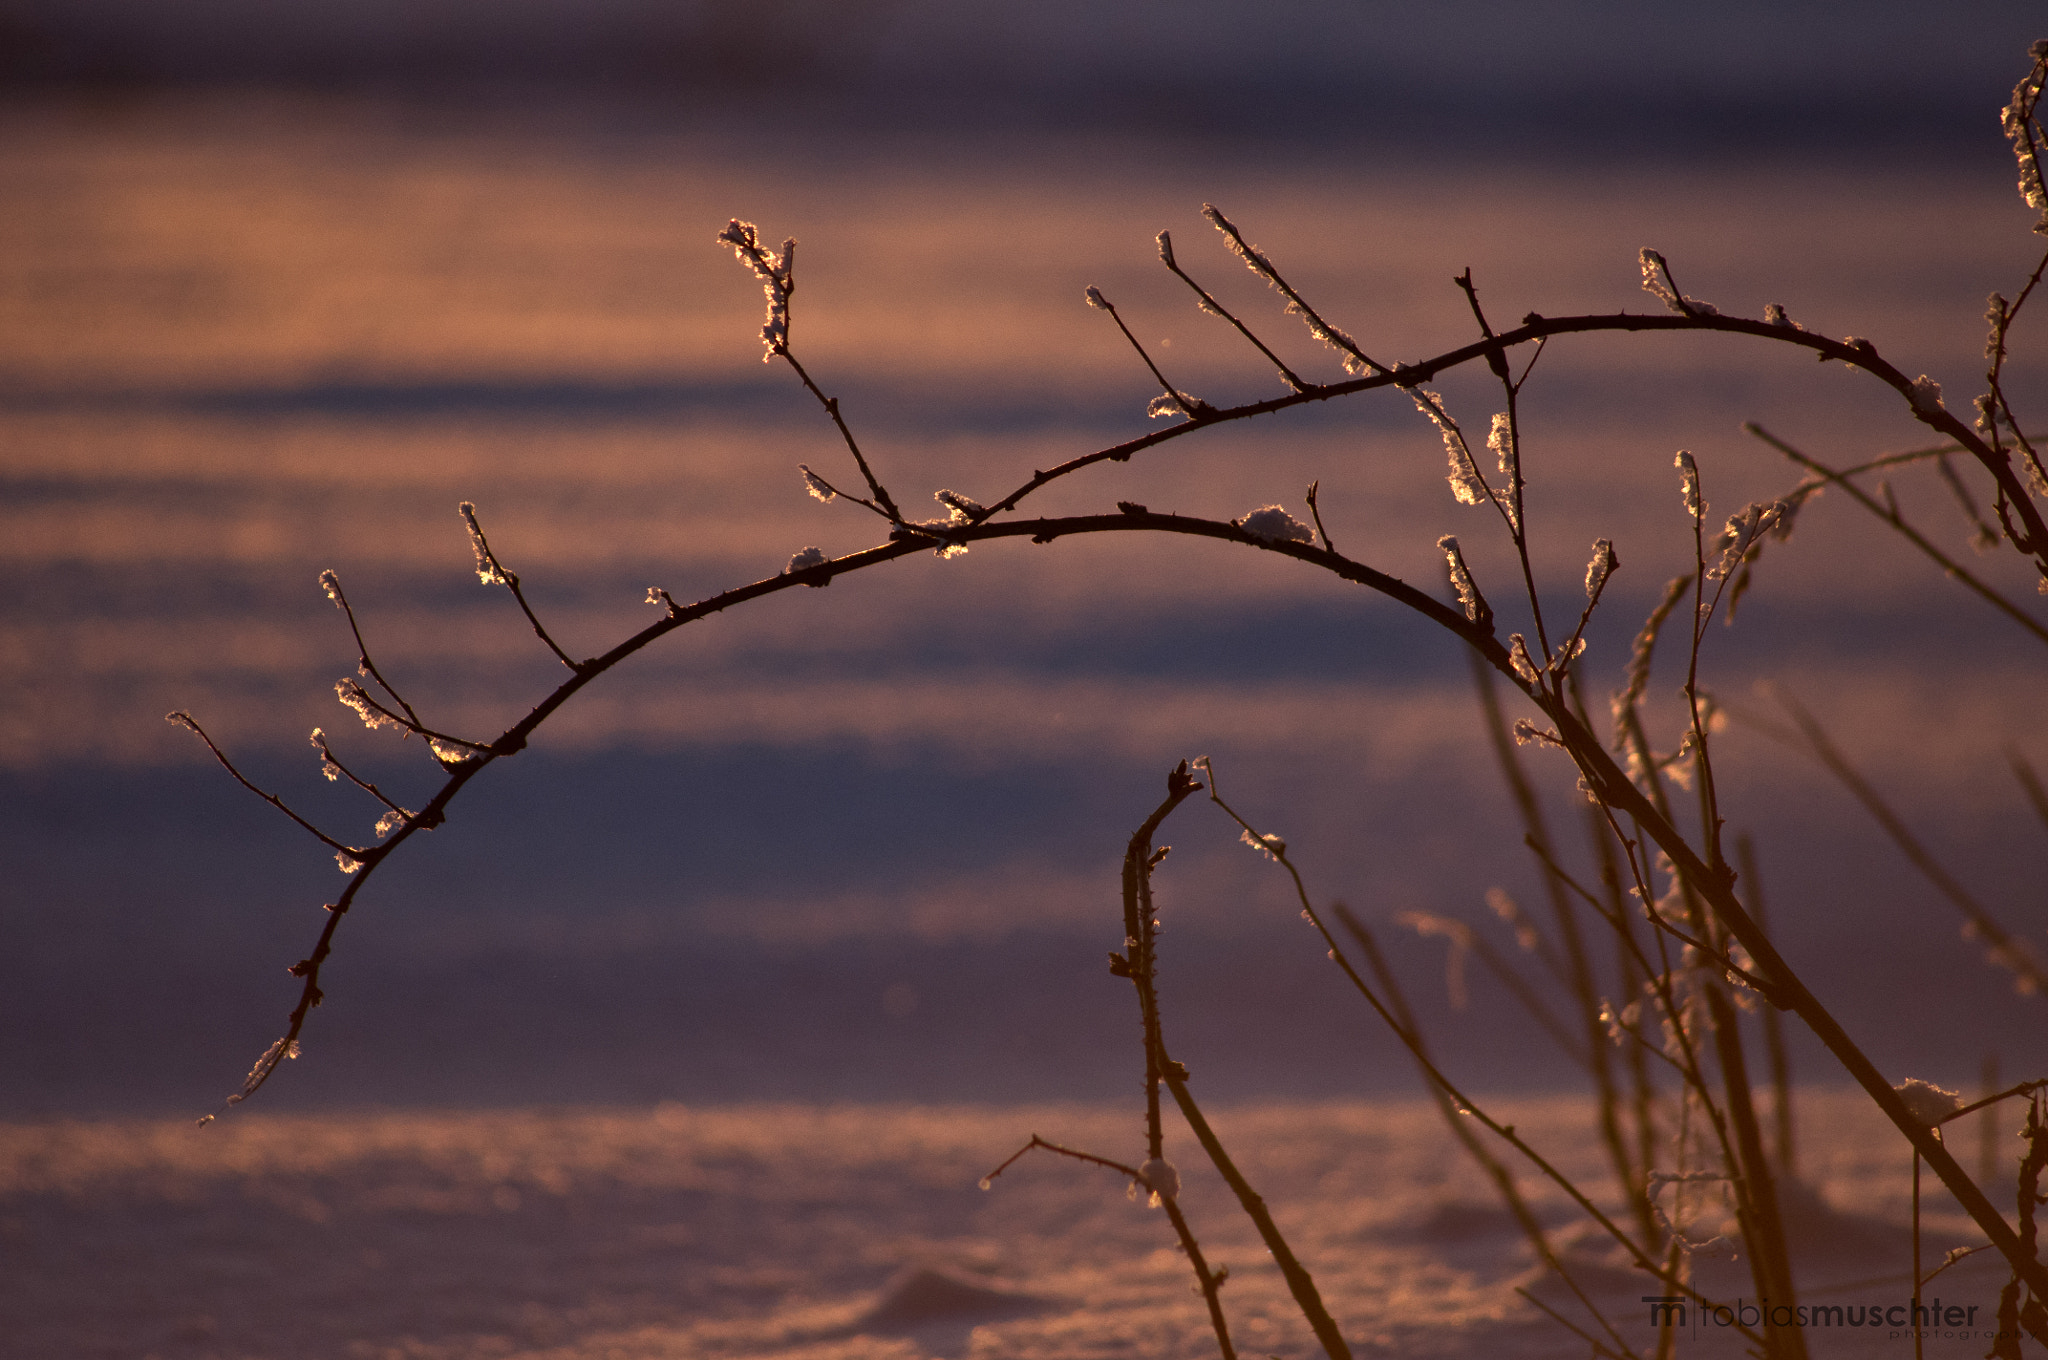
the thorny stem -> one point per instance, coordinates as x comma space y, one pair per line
1211, 1281
1210, 304
331, 583
1139, 861
1579, 979
1411, 1040
2004, 949
1194, 408
1891, 516
1410, 1035
186, 720
831, 405
1605, 780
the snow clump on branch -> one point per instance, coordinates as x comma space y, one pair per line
1271, 524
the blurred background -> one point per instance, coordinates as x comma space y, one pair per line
280, 285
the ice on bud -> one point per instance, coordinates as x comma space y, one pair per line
1601, 567
1657, 283
1096, 299
331, 584
1476, 608
1161, 1178
1926, 396
487, 569
1689, 476
806, 558
964, 508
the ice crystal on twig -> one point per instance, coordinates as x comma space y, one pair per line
965, 508
1500, 439
349, 863
1529, 734
1096, 299
1689, 484
1174, 403
1744, 529
1518, 657
2023, 130
449, 753
357, 699
1466, 483
487, 569
1927, 1102
393, 819
1476, 608
777, 273
1775, 315
805, 558
1255, 260
1272, 524
819, 488
1601, 567
1272, 846
327, 765
1657, 283
1926, 396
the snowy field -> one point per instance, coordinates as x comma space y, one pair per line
856, 1230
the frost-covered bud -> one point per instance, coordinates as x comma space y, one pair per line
1775, 315
1466, 483
1272, 524
1601, 567
806, 558
1927, 1102
1657, 283
1166, 249
964, 508
331, 585
1518, 657
487, 570
1476, 608
1096, 299
1161, 1178
1926, 396
1689, 477
1500, 439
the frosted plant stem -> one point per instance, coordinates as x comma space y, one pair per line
1139, 861
1891, 516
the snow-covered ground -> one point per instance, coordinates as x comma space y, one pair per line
859, 1230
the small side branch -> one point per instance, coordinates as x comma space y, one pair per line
1211, 1281
187, 721
493, 572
